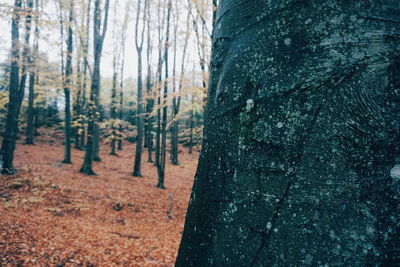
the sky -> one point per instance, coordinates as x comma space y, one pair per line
50, 38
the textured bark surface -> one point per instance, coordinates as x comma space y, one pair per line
15, 97
300, 157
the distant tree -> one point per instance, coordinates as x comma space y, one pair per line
149, 90
99, 32
30, 127
113, 108
176, 101
122, 84
300, 159
163, 148
67, 79
160, 28
139, 39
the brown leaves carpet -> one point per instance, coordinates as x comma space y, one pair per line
52, 215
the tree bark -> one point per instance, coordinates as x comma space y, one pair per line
161, 20
98, 41
67, 89
150, 100
139, 48
163, 150
15, 97
30, 127
300, 161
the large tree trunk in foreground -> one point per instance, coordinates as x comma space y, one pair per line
299, 165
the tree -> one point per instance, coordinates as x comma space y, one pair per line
98, 40
176, 101
15, 92
150, 100
82, 44
30, 128
113, 108
160, 28
163, 147
139, 38
67, 81
300, 160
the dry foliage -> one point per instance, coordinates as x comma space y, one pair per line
52, 215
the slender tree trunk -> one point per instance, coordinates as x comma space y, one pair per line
114, 110
84, 76
139, 141
121, 92
161, 167
174, 139
159, 73
95, 87
121, 101
139, 48
67, 90
30, 128
191, 120
150, 100
77, 106
177, 100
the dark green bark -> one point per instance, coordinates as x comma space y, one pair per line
300, 160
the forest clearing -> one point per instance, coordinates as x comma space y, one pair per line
52, 215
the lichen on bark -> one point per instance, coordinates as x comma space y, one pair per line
301, 137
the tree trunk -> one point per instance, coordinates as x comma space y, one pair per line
300, 162
84, 76
140, 128
160, 29
163, 151
98, 41
191, 126
30, 127
174, 137
114, 110
150, 101
121, 102
10, 133
67, 90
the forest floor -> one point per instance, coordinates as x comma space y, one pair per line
52, 215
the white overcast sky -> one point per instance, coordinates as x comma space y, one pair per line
50, 38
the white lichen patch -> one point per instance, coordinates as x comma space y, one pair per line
395, 173
249, 105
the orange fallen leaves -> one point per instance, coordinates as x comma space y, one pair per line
59, 217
